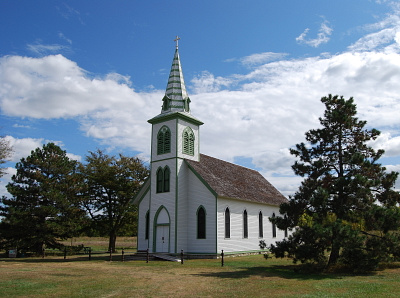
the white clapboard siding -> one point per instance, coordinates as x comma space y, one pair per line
182, 207
200, 195
142, 243
236, 242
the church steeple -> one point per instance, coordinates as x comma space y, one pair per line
176, 98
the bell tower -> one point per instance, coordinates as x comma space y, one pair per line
174, 138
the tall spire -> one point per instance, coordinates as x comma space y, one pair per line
176, 98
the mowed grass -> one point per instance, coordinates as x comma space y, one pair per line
249, 276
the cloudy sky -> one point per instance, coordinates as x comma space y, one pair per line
89, 76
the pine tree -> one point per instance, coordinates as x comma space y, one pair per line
44, 207
112, 183
346, 207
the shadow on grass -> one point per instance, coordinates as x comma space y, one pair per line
282, 271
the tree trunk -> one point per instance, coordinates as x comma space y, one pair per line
111, 241
333, 257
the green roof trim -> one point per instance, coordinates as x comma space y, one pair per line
175, 115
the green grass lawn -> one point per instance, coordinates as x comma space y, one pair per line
249, 276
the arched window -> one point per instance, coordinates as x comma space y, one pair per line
245, 225
160, 179
163, 179
201, 223
147, 225
167, 173
227, 223
188, 141
286, 232
273, 227
260, 225
164, 140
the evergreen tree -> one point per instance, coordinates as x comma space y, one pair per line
346, 207
112, 183
44, 207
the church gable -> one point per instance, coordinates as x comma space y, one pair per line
232, 181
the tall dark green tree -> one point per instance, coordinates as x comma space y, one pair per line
45, 203
345, 210
112, 183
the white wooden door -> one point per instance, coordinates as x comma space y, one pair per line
162, 238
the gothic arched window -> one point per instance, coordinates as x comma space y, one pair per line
245, 225
201, 223
227, 223
188, 141
163, 179
164, 140
167, 174
273, 227
147, 225
160, 180
260, 225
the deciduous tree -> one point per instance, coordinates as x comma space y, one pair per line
112, 183
346, 207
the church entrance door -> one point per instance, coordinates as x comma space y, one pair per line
162, 238
162, 230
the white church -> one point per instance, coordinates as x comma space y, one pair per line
194, 202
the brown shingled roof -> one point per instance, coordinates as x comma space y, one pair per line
237, 182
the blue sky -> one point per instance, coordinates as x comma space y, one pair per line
89, 74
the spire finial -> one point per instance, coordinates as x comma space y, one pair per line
176, 40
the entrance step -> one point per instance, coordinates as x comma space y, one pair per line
166, 257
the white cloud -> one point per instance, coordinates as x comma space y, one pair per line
74, 156
323, 35
23, 147
258, 58
390, 144
41, 49
54, 87
206, 82
256, 115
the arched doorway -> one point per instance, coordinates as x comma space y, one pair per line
162, 223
